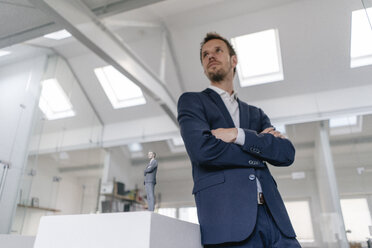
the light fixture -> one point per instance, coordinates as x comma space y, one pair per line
259, 58
54, 102
59, 35
121, 91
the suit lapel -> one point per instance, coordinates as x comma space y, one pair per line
243, 115
221, 106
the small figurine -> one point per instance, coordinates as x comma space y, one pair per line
150, 180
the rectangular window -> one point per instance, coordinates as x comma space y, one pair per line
121, 91
54, 102
357, 219
170, 212
188, 214
361, 38
259, 58
299, 213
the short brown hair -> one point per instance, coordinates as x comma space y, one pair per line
215, 36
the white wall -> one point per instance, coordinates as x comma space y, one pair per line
66, 196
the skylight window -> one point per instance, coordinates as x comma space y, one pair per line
361, 39
176, 144
119, 89
259, 58
177, 141
135, 147
3, 53
343, 121
59, 35
280, 128
54, 102
345, 125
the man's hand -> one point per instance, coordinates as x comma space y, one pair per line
272, 131
227, 135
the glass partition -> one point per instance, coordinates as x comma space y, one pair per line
65, 161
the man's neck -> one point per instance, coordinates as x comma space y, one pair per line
224, 85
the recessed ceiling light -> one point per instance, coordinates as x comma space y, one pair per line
121, 91
59, 35
54, 102
3, 53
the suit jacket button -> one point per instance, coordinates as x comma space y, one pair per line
252, 177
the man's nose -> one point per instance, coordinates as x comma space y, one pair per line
211, 56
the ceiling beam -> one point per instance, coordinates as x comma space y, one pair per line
121, 6
86, 27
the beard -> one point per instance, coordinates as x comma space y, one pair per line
219, 75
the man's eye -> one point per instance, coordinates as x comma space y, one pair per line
204, 55
218, 50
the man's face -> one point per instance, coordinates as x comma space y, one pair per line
150, 155
216, 60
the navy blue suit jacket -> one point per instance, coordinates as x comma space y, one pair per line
224, 187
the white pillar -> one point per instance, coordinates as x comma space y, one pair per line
332, 225
20, 90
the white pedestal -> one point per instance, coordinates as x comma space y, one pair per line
16, 241
116, 230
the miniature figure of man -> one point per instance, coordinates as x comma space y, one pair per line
150, 180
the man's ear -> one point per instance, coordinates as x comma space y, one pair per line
234, 60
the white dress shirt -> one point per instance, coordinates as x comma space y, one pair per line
232, 106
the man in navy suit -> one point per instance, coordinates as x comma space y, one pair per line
229, 144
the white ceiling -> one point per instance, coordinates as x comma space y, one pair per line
314, 38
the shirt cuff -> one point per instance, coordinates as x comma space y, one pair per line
240, 138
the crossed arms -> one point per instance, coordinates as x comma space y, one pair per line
151, 167
216, 147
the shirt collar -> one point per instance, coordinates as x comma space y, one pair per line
222, 92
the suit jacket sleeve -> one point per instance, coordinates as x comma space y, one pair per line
276, 151
151, 168
202, 147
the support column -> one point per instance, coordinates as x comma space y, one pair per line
332, 224
20, 90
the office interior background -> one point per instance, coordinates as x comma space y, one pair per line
89, 87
